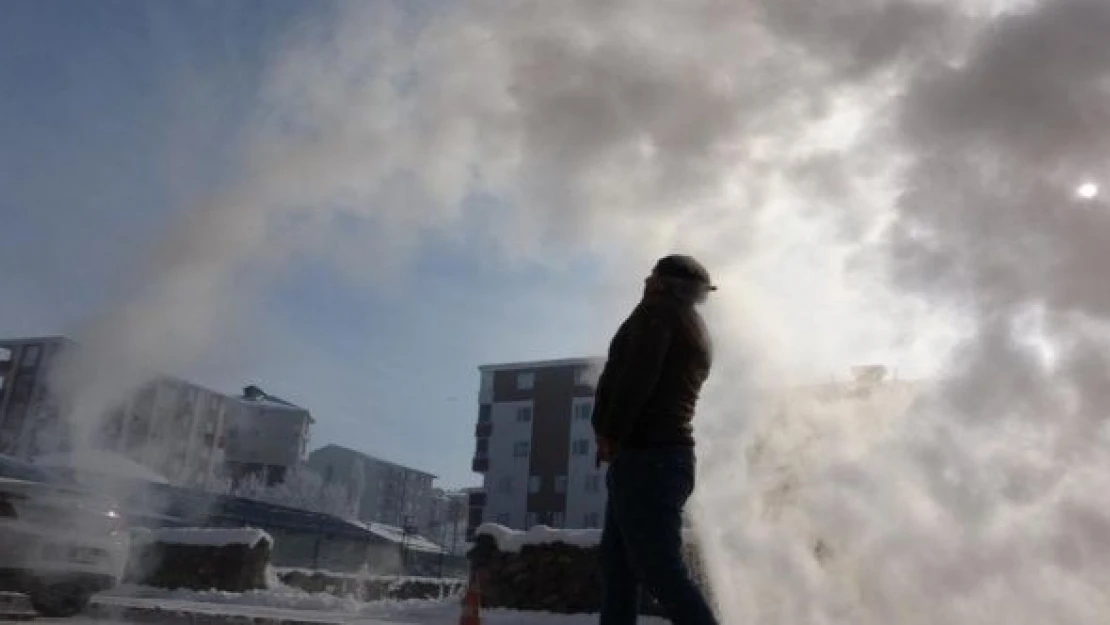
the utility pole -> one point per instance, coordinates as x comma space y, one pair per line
456, 512
442, 548
406, 528
401, 512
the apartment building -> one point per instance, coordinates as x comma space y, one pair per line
191, 435
535, 446
171, 426
267, 436
25, 406
391, 493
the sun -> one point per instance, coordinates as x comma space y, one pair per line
1087, 191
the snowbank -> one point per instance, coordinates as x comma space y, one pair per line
511, 541
361, 575
282, 598
202, 536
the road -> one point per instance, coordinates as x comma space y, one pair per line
496, 617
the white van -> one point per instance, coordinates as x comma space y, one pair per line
57, 544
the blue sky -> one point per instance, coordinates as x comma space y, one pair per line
117, 116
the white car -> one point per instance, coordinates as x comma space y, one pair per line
57, 544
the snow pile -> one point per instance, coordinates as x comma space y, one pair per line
202, 536
511, 541
360, 575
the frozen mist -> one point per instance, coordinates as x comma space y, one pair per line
870, 181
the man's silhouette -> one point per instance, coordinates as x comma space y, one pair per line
643, 408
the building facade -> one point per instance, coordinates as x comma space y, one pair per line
266, 436
25, 402
171, 426
391, 494
535, 446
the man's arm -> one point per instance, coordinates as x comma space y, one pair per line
649, 338
614, 361
601, 395
599, 418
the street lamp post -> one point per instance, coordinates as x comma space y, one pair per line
406, 531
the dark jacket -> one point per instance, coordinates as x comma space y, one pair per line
658, 362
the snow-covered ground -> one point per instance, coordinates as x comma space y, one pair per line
492, 617
425, 613
331, 610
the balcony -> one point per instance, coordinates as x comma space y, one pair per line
483, 430
480, 464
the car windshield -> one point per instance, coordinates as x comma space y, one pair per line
19, 470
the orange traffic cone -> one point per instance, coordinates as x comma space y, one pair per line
472, 604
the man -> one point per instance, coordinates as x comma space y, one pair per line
643, 408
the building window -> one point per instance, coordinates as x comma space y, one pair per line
5, 354
534, 484
521, 449
591, 520
584, 376
593, 483
31, 355
561, 484
524, 414
581, 447
21, 389
525, 381
583, 411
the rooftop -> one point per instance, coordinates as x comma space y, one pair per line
254, 396
366, 456
23, 340
542, 364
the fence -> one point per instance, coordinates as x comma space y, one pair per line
302, 539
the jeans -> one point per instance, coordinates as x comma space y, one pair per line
641, 545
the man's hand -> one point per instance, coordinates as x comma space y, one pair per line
605, 451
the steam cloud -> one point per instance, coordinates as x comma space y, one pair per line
868, 179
